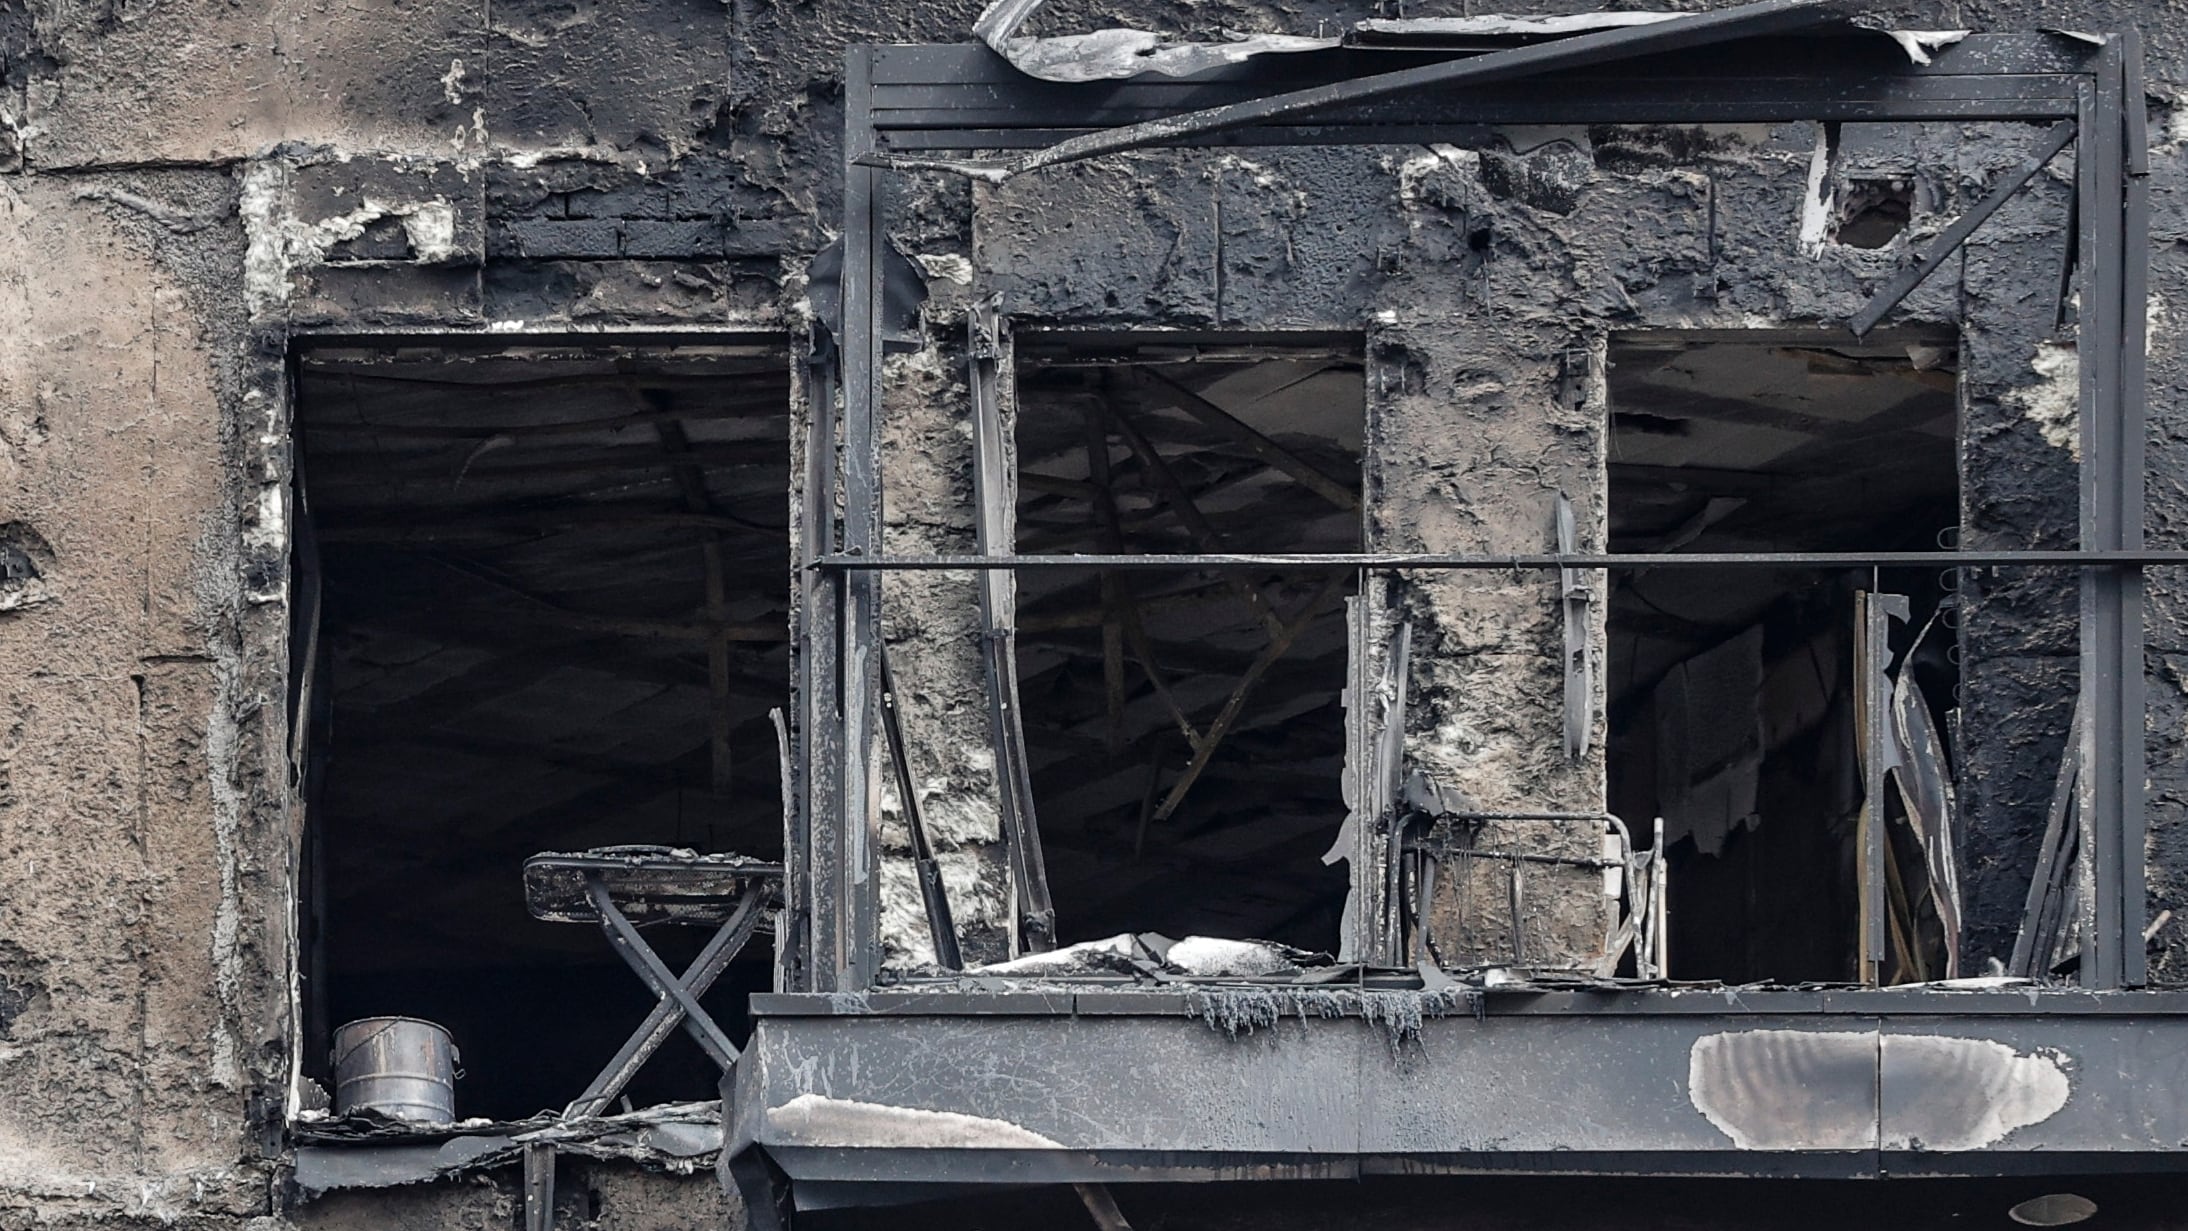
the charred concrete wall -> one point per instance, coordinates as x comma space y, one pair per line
187, 189
1487, 281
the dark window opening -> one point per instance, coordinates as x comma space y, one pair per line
1733, 692
1147, 447
551, 587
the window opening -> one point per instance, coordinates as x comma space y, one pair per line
1735, 709
1186, 729
553, 586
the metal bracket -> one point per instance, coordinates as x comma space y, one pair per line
1876, 613
1578, 601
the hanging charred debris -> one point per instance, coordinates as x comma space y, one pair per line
768, 615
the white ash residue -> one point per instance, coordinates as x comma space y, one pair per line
1196, 956
1209, 956
1243, 1010
1109, 954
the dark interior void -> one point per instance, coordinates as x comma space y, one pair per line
550, 588
1733, 710
1180, 447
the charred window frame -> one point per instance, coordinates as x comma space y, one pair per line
923, 108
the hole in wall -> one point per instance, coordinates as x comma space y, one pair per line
25, 556
1873, 212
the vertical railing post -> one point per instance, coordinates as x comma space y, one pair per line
815, 746
856, 813
2112, 487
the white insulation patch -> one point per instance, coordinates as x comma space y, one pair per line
817, 1120
1787, 1089
945, 267
975, 901
1918, 44
1208, 955
265, 254
1496, 24
1857, 1090
1066, 960
279, 243
1817, 204
2054, 402
1969, 1093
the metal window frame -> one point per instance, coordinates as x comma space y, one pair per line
910, 108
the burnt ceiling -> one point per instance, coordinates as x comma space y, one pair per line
1730, 446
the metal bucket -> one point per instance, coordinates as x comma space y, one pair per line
397, 1066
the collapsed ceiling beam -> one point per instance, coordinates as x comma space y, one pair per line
1575, 51
1076, 489
613, 656
1184, 658
1259, 445
310, 372
541, 608
472, 741
501, 465
1109, 533
1204, 535
1043, 534
1221, 727
1670, 402
734, 408
452, 523
691, 480
1042, 619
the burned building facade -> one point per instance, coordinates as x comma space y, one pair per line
1143, 614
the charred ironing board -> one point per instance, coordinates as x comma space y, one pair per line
624, 887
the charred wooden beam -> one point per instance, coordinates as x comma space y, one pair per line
1260, 446
540, 608
456, 523
1221, 727
725, 409
1205, 537
1110, 535
691, 481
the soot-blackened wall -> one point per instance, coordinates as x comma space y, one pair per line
188, 188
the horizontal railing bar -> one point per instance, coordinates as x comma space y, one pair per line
1536, 560
1449, 850
1526, 816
